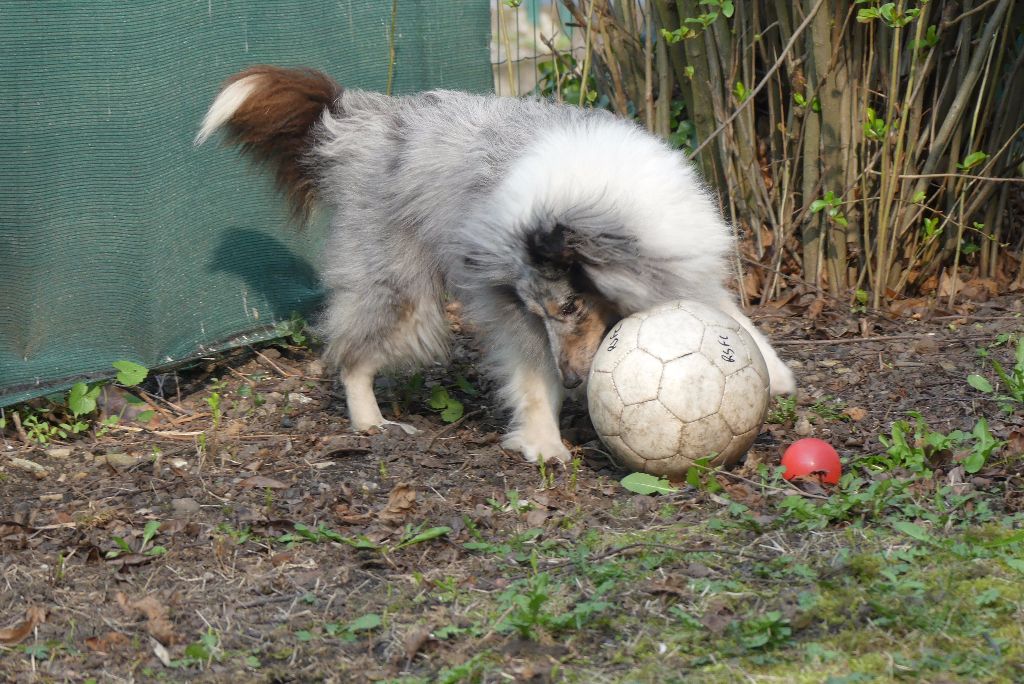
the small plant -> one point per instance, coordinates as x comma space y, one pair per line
530, 613
829, 409
69, 414
352, 630
294, 330
148, 533
1010, 395
451, 408
783, 412
832, 207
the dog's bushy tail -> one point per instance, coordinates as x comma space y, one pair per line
272, 114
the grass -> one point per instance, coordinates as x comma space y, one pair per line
844, 604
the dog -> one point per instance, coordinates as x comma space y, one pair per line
548, 222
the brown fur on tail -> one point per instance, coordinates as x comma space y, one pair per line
275, 123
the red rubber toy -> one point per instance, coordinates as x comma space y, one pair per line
811, 455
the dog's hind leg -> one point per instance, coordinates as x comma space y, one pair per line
373, 329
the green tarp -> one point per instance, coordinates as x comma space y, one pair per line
119, 240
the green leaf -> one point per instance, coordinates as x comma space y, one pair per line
82, 399
145, 416
130, 373
426, 535
149, 531
972, 160
453, 411
642, 483
980, 383
464, 385
364, 623
817, 205
1015, 563
918, 197
912, 530
438, 398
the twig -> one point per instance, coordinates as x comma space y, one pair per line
882, 338
790, 486
991, 179
179, 409
764, 80
16, 419
448, 428
274, 365
667, 547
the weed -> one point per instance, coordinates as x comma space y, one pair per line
529, 609
829, 409
69, 414
784, 411
1010, 394
293, 330
201, 653
347, 632
148, 533
451, 408
417, 535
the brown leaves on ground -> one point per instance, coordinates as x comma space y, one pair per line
157, 623
401, 504
34, 615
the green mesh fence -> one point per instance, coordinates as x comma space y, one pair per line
119, 240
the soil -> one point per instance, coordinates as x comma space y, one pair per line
226, 597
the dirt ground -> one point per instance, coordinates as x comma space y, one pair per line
289, 549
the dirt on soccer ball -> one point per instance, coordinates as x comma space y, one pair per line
675, 384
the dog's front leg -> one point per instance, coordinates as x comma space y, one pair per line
535, 396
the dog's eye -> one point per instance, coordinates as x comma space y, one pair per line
570, 308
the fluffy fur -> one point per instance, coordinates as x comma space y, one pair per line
547, 222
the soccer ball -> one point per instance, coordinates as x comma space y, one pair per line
677, 383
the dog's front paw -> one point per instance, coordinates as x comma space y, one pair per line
537, 447
780, 378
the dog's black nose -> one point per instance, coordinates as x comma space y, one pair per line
571, 380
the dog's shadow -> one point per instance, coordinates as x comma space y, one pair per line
276, 279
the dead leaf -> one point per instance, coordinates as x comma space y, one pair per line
262, 482
855, 413
949, 285
815, 309
157, 624
129, 560
716, 618
111, 641
160, 652
803, 427
401, 502
1015, 443
34, 615
415, 639
537, 516
665, 588
743, 493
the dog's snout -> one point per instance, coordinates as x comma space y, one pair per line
571, 379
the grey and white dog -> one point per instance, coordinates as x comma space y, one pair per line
547, 222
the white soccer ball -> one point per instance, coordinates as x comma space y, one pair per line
677, 383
